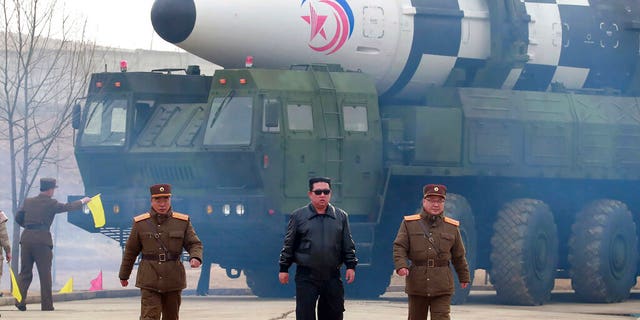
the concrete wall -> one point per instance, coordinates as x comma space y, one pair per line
146, 60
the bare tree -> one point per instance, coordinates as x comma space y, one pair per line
44, 67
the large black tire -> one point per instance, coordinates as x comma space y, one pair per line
524, 253
458, 208
371, 282
264, 283
372, 279
603, 252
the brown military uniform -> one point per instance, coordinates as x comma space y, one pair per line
36, 216
5, 244
430, 281
161, 275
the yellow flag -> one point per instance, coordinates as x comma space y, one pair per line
68, 287
15, 290
97, 211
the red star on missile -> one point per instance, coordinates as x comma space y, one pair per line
316, 22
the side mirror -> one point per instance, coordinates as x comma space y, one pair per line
272, 115
75, 116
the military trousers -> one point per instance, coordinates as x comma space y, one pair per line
1, 264
41, 255
154, 303
328, 293
419, 307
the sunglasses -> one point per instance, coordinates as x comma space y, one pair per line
321, 191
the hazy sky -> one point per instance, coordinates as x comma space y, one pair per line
119, 23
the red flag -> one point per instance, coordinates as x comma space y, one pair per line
96, 284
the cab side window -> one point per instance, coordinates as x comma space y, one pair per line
299, 117
355, 118
141, 116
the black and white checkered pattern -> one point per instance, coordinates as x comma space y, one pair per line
439, 27
579, 43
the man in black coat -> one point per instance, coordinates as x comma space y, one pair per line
319, 240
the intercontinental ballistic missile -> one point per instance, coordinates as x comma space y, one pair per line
408, 45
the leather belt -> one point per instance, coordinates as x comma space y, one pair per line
161, 257
37, 227
431, 263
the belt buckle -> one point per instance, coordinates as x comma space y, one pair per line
162, 257
431, 263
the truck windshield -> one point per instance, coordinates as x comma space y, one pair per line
106, 123
229, 121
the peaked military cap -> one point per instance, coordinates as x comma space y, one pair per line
47, 183
160, 190
434, 190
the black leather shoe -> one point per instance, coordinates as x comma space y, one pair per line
21, 307
48, 309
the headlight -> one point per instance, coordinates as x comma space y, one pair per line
240, 209
226, 209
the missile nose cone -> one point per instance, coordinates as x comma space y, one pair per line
173, 20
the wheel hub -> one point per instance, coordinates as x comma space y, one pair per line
540, 255
618, 257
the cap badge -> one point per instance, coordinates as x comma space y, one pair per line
161, 189
435, 189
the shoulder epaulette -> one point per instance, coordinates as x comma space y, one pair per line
180, 216
412, 217
142, 217
452, 221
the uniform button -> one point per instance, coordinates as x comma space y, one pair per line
428, 279
160, 278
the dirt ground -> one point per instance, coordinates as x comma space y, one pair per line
219, 279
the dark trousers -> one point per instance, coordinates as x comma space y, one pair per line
419, 307
327, 292
153, 304
41, 255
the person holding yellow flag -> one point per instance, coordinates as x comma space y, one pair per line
36, 216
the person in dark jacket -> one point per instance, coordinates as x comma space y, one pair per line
160, 235
318, 240
36, 216
431, 242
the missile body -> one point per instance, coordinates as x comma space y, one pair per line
408, 45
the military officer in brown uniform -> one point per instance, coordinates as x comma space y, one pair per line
160, 235
5, 244
430, 241
36, 216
